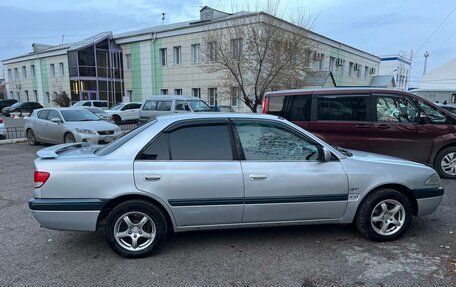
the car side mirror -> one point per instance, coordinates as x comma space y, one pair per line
423, 119
326, 154
56, 120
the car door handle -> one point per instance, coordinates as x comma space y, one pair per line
382, 126
153, 177
363, 126
257, 176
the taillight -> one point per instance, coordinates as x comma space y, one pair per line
1, 120
264, 109
40, 178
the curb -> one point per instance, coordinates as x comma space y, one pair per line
13, 141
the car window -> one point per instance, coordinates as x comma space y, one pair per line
342, 108
276, 105
117, 107
135, 106
100, 104
395, 109
127, 107
86, 104
53, 114
43, 114
164, 106
182, 106
451, 109
264, 141
434, 115
300, 108
201, 143
156, 150
150, 106
199, 106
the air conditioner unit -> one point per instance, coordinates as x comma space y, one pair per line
340, 62
317, 55
358, 66
372, 70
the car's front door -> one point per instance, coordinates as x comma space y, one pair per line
284, 177
192, 167
53, 131
130, 112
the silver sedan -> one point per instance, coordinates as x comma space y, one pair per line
68, 125
212, 171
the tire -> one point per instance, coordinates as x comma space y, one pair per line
31, 138
136, 210
371, 216
445, 162
116, 119
69, 138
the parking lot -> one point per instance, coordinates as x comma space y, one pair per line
327, 255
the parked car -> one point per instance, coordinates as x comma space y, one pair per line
2, 130
92, 103
162, 105
6, 103
449, 107
383, 121
21, 109
102, 114
223, 109
68, 125
125, 112
196, 171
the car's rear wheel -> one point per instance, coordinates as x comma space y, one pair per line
69, 138
445, 162
31, 138
384, 215
135, 229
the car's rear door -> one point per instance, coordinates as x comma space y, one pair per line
343, 119
284, 178
193, 168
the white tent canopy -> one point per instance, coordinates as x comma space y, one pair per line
441, 78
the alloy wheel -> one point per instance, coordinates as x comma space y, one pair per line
448, 163
135, 231
69, 138
388, 217
31, 137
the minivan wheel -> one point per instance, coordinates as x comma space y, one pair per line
135, 229
445, 162
31, 138
384, 215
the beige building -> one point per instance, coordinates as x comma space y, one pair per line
165, 59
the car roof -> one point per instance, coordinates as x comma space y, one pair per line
63, 109
338, 90
214, 115
172, 97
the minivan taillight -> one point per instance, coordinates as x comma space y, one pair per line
40, 178
264, 109
1, 120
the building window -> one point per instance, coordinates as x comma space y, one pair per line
163, 56
212, 48
129, 95
32, 71
16, 74
35, 96
177, 56
196, 92
358, 71
61, 70
235, 94
332, 63
236, 48
48, 98
52, 70
350, 69
212, 96
11, 95
24, 72
10, 75
320, 64
18, 95
128, 61
195, 50
178, 91
163, 91
27, 96
366, 72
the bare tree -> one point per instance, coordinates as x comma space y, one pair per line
256, 53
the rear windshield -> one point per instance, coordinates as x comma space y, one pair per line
112, 146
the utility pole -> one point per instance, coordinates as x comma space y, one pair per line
163, 18
426, 55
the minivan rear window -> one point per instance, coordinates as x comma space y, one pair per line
342, 108
276, 105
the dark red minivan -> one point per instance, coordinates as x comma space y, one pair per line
376, 120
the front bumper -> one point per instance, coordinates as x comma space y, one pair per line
67, 214
428, 199
2, 130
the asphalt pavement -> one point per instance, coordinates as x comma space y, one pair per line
324, 255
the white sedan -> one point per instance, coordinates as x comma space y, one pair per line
125, 112
2, 130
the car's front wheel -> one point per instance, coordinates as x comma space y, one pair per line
69, 138
445, 162
135, 229
384, 215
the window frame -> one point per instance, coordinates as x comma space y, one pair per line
177, 55
316, 97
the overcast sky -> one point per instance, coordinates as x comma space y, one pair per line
378, 27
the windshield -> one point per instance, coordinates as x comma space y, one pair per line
78, 104
16, 104
79, 116
96, 110
112, 146
199, 106
117, 107
451, 109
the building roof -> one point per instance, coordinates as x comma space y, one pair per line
383, 81
90, 41
441, 78
318, 78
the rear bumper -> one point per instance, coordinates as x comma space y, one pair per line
67, 214
97, 139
